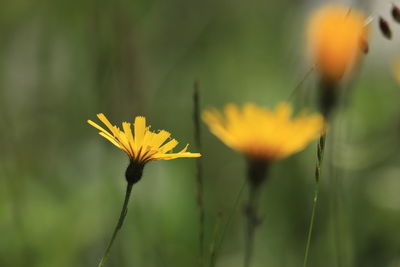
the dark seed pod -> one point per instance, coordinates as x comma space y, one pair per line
396, 13
364, 46
385, 29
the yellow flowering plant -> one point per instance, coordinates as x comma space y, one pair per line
337, 36
263, 136
141, 146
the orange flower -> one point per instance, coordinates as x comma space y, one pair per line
336, 36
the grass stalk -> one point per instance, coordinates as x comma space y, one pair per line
217, 244
320, 157
199, 172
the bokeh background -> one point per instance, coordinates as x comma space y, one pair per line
62, 185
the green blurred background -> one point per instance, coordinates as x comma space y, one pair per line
62, 185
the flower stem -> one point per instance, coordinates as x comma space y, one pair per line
252, 222
320, 157
121, 219
256, 176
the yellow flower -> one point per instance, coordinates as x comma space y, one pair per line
396, 70
144, 145
336, 37
263, 134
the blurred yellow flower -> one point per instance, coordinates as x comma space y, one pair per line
144, 145
336, 37
396, 70
263, 134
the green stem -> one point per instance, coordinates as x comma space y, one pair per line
121, 219
256, 175
252, 222
310, 229
300, 84
214, 242
335, 189
320, 157
216, 248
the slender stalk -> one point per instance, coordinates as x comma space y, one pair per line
300, 84
214, 243
335, 202
310, 229
256, 175
199, 167
252, 222
216, 248
121, 219
320, 157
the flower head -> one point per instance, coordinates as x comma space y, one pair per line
336, 37
263, 134
143, 145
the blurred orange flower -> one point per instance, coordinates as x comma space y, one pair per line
336, 37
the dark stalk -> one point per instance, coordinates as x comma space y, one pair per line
252, 222
335, 201
257, 173
328, 97
121, 219
199, 168
133, 174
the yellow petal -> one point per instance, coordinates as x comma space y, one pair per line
140, 127
123, 140
159, 138
168, 146
175, 155
112, 140
148, 138
106, 122
283, 111
128, 133
184, 149
99, 127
